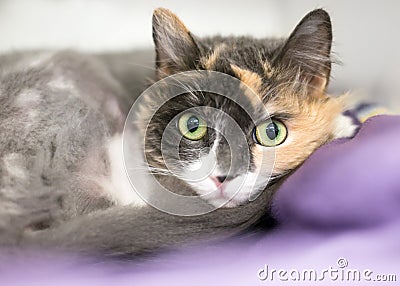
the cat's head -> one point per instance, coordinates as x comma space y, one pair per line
288, 77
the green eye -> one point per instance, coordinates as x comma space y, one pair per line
270, 133
192, 126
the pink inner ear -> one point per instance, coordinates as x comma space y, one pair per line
317, 86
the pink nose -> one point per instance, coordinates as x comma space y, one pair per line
218, 180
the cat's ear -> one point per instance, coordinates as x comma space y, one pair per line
176, 49
308, 50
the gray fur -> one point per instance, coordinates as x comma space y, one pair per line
54, 114
127, 230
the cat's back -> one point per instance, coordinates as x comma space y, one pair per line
47, 98
58, 110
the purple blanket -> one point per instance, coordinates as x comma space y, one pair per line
339, 222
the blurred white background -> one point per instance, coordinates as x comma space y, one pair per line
365, 32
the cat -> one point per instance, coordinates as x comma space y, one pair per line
62, 119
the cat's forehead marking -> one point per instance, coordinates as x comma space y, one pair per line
251, 79
253, 84
268, 70
209, 61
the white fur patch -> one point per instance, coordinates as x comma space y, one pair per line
239, 190
344, 127
14, 164
119, 186
63, 83
27, 98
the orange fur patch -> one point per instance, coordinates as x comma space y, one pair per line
267, 69
251, 79
312, 124
209, 62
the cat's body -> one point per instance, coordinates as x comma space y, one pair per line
62, 117
58, 112
62, 180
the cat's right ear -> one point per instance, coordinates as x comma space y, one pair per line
176, 49
308, 50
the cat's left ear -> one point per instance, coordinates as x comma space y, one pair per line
308, 50
176, 49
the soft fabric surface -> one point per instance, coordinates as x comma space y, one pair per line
343, 203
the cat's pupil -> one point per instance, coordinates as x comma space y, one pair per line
193, 123
272, 131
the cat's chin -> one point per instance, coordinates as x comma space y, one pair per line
228, 200
223, 202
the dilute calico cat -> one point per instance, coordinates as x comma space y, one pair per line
63, 182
